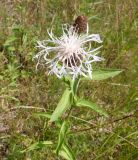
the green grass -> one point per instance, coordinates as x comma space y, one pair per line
25, 91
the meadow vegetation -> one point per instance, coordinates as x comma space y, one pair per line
25, 91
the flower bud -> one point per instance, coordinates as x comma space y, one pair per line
80, 24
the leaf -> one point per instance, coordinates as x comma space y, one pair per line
43, 114
74, 85
67, 153
62, 106
37, 145
62, 134
63, 154
48, 116
11, 98
67, 80
103, 74
82, 102
11, 48
9, 41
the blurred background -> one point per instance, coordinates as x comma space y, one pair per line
23, 91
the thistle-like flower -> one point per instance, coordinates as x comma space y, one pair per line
70, 54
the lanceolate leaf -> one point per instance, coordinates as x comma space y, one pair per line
62, 135
48, 116
103, 74
85, 103
43, 114
63, 154
74, 85
38, 145
67, 153
62, 106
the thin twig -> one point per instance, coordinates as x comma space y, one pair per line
94, 125
24, 107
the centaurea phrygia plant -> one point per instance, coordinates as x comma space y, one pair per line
70, 57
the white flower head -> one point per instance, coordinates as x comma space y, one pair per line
69, 54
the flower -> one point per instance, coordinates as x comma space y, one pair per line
69, 54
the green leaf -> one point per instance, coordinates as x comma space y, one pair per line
37, 145
9, 41
85, 103
48, 116
62, 134
62, 106
11, 48
74, 85
63, 154
43, 114
67, 153
103, 74
12, 98
67, 80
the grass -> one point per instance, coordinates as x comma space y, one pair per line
25, 91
